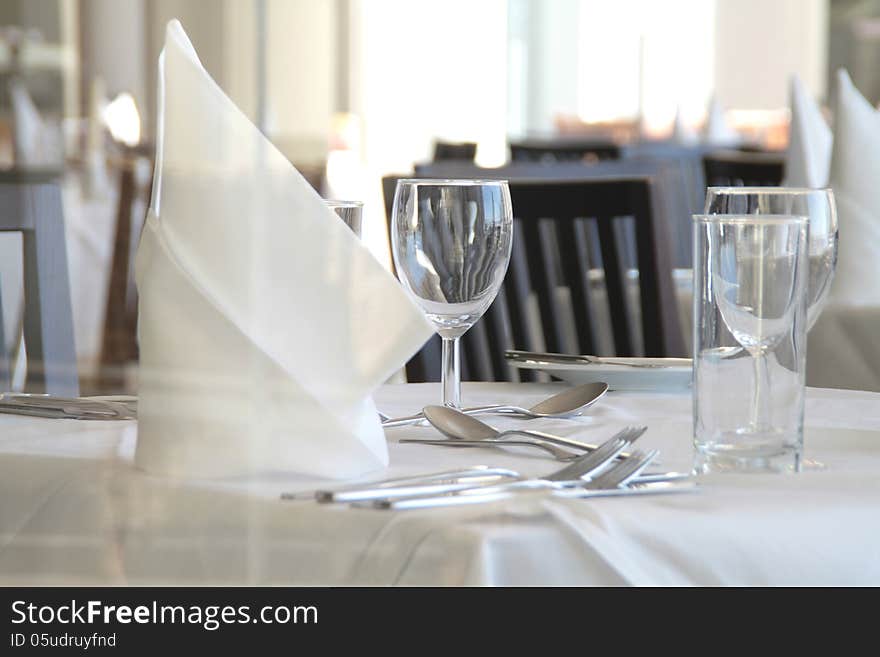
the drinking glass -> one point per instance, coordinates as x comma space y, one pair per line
451, 243
816, 204
351, 212
750, 277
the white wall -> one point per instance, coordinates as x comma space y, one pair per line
427, 70
645, 56
301, 72
760, 43
113, 47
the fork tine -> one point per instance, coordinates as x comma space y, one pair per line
590, 461
623, 471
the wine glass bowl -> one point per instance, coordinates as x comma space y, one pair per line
817, 205
755, 280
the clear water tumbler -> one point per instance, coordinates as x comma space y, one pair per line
750, 281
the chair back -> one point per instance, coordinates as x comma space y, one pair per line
119, 343
743, 169
445, 151
562, 150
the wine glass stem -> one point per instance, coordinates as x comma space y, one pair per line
451, 375
760, 415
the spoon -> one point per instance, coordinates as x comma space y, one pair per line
568, 403
459, 426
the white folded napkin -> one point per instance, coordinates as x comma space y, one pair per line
31, 140
855, 172
682, 133
717, 131
809, 146
264, 323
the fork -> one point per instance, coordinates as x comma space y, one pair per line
450, 481
613, 478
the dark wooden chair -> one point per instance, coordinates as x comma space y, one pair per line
445, 151
30, 203
743, 169
119, 343
562, 150
550, 252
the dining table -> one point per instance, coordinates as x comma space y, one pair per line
74, 510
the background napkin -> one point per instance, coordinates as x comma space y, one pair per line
34, 143
717, 131
809, 147
264, 323
682, 133
855, 172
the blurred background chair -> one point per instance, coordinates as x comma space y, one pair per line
30, 203
562, 149
119, 347
743, 169
461, 152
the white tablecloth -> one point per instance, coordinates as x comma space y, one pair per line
74, 511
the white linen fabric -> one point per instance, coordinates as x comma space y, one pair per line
74, 510
855, 170
809, 147
264, 323
717, 131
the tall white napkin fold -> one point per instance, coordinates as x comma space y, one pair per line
808, 158
264, 323
29, 131
717, 131
682, 133
854, 176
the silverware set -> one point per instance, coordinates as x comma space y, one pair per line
602, 470
607, 469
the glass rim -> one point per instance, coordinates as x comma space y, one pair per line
768, 190
457, 182
751, 218
334, 203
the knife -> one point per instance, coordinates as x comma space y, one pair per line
541, 358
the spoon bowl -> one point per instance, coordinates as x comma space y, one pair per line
456, 425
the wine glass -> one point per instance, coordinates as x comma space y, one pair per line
757, 280
451, 242
351, 212
816, 204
